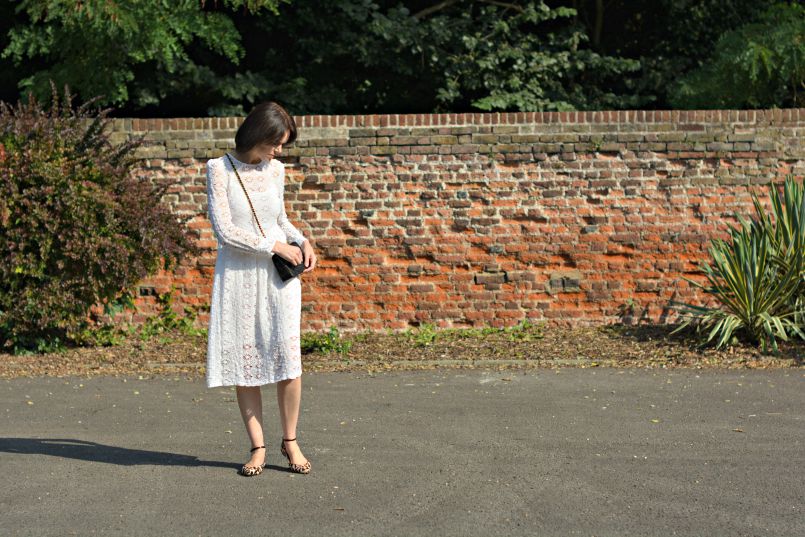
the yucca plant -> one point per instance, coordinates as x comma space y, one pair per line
757, 277
788, 235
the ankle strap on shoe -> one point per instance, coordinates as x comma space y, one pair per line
289, 439
258, 447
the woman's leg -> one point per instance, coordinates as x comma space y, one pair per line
250, 401
289, 395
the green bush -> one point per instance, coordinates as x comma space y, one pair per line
76, 227
758, 277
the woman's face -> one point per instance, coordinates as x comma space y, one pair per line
269, 151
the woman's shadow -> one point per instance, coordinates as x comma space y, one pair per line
69, 448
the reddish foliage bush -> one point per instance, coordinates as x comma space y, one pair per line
77, 227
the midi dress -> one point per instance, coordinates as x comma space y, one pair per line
253, 334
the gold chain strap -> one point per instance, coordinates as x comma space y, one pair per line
247, 195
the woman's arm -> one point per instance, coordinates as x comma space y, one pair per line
282, 219
218, 208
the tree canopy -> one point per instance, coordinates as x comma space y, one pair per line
197, 58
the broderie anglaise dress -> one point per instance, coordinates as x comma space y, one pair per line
253, 335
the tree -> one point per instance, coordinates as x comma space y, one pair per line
758, 65
669, 38
520, 56
342, 56
136, 54
191, 58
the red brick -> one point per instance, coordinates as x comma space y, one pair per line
383, 223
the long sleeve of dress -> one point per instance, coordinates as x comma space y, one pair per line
282, 219
221, 219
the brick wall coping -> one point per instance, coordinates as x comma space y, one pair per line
768, 116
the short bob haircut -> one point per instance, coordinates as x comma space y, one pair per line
267, 123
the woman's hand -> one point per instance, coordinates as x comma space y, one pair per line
288, 252
294, 255
310, 256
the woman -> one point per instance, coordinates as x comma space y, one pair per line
254, 315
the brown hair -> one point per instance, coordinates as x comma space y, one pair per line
267, 123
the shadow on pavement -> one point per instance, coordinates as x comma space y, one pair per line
69, 448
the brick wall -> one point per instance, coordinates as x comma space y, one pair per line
488, 219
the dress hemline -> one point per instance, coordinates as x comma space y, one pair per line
224, 385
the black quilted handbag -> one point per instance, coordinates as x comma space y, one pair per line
286, 269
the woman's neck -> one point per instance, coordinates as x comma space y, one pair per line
250, 157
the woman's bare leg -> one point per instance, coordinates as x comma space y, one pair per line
289, 396
250, 401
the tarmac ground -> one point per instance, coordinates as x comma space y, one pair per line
539, 452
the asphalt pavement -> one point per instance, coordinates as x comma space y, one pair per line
540, 452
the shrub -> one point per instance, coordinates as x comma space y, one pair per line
77, 228
758, 277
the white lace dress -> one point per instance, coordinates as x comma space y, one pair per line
253, 335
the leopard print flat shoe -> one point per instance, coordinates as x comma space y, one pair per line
249, 471
298, 468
